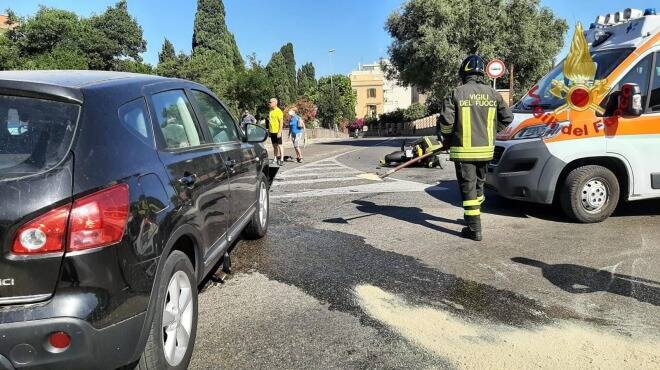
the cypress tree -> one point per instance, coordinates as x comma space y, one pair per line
211, 34
290, 63
167, 52
278, 75
306, 79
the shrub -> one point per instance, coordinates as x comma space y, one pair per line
415, 112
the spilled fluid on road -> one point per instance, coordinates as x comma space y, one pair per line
566, 344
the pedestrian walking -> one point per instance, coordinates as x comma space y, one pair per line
470, 118
275, 126
297, 132
246, 119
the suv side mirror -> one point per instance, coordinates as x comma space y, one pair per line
630, 100
255, 133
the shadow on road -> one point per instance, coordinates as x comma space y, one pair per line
412, 215
497, 205
578, 279
513, 208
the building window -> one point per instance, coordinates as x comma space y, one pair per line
371, 93
372, 110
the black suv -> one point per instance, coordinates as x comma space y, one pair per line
119, 193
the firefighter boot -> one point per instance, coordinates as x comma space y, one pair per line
473, 229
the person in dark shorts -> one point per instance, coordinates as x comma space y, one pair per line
275, 125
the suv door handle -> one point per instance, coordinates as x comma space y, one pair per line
231, 163
189, 180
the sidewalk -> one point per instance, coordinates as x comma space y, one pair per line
288, 144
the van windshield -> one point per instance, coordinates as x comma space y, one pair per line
35, 134
606, 61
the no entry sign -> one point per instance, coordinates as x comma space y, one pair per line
495, 68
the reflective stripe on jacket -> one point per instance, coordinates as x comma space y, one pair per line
471, 116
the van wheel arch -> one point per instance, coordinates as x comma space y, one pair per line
614, 164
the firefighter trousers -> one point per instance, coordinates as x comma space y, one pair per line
471, 178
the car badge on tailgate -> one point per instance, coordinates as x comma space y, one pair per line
6, 282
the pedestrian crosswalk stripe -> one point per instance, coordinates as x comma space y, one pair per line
313, 181
393, 186
320, 175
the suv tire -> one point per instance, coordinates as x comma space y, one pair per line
177, 281
590, 194
258, 226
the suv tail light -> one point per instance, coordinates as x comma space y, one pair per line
94, 221
99, 219
44, 234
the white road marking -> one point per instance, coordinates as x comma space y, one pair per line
331, 170
393, 186
313, 181
340, 173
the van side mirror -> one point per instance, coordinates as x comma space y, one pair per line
630, 100
625, 102
255, 133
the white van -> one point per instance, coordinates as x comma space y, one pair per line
588, 144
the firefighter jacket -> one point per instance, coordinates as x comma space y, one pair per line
471, 116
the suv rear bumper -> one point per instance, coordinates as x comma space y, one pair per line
25, 344
525, 170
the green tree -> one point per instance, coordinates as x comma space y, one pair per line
431, 38
306, 79
59, 39
252, 88
290, 63
211, 34
113, 36
9, 53
172, 67
129, 65
335, 100
279, 79
43, 32
167, 52
205, 68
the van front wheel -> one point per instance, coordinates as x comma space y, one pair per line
590, 194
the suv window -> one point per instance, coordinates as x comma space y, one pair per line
35, 134
639, 74
133, 115
655, 89
221, 124
175, 119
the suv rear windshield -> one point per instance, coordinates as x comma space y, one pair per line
605, 60
35, 134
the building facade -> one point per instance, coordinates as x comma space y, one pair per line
376, 94
5, 24
368, 83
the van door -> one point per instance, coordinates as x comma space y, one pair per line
197, 174
240, 158
637, 139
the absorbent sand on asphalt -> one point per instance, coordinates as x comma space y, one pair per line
565, 345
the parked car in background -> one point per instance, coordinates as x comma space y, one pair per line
119, 193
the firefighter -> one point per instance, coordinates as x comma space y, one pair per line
471, 116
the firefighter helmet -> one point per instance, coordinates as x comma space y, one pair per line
473, 64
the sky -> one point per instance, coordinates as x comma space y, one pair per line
353, 28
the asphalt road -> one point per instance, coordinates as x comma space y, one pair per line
362, 274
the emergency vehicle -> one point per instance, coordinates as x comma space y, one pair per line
588, 144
